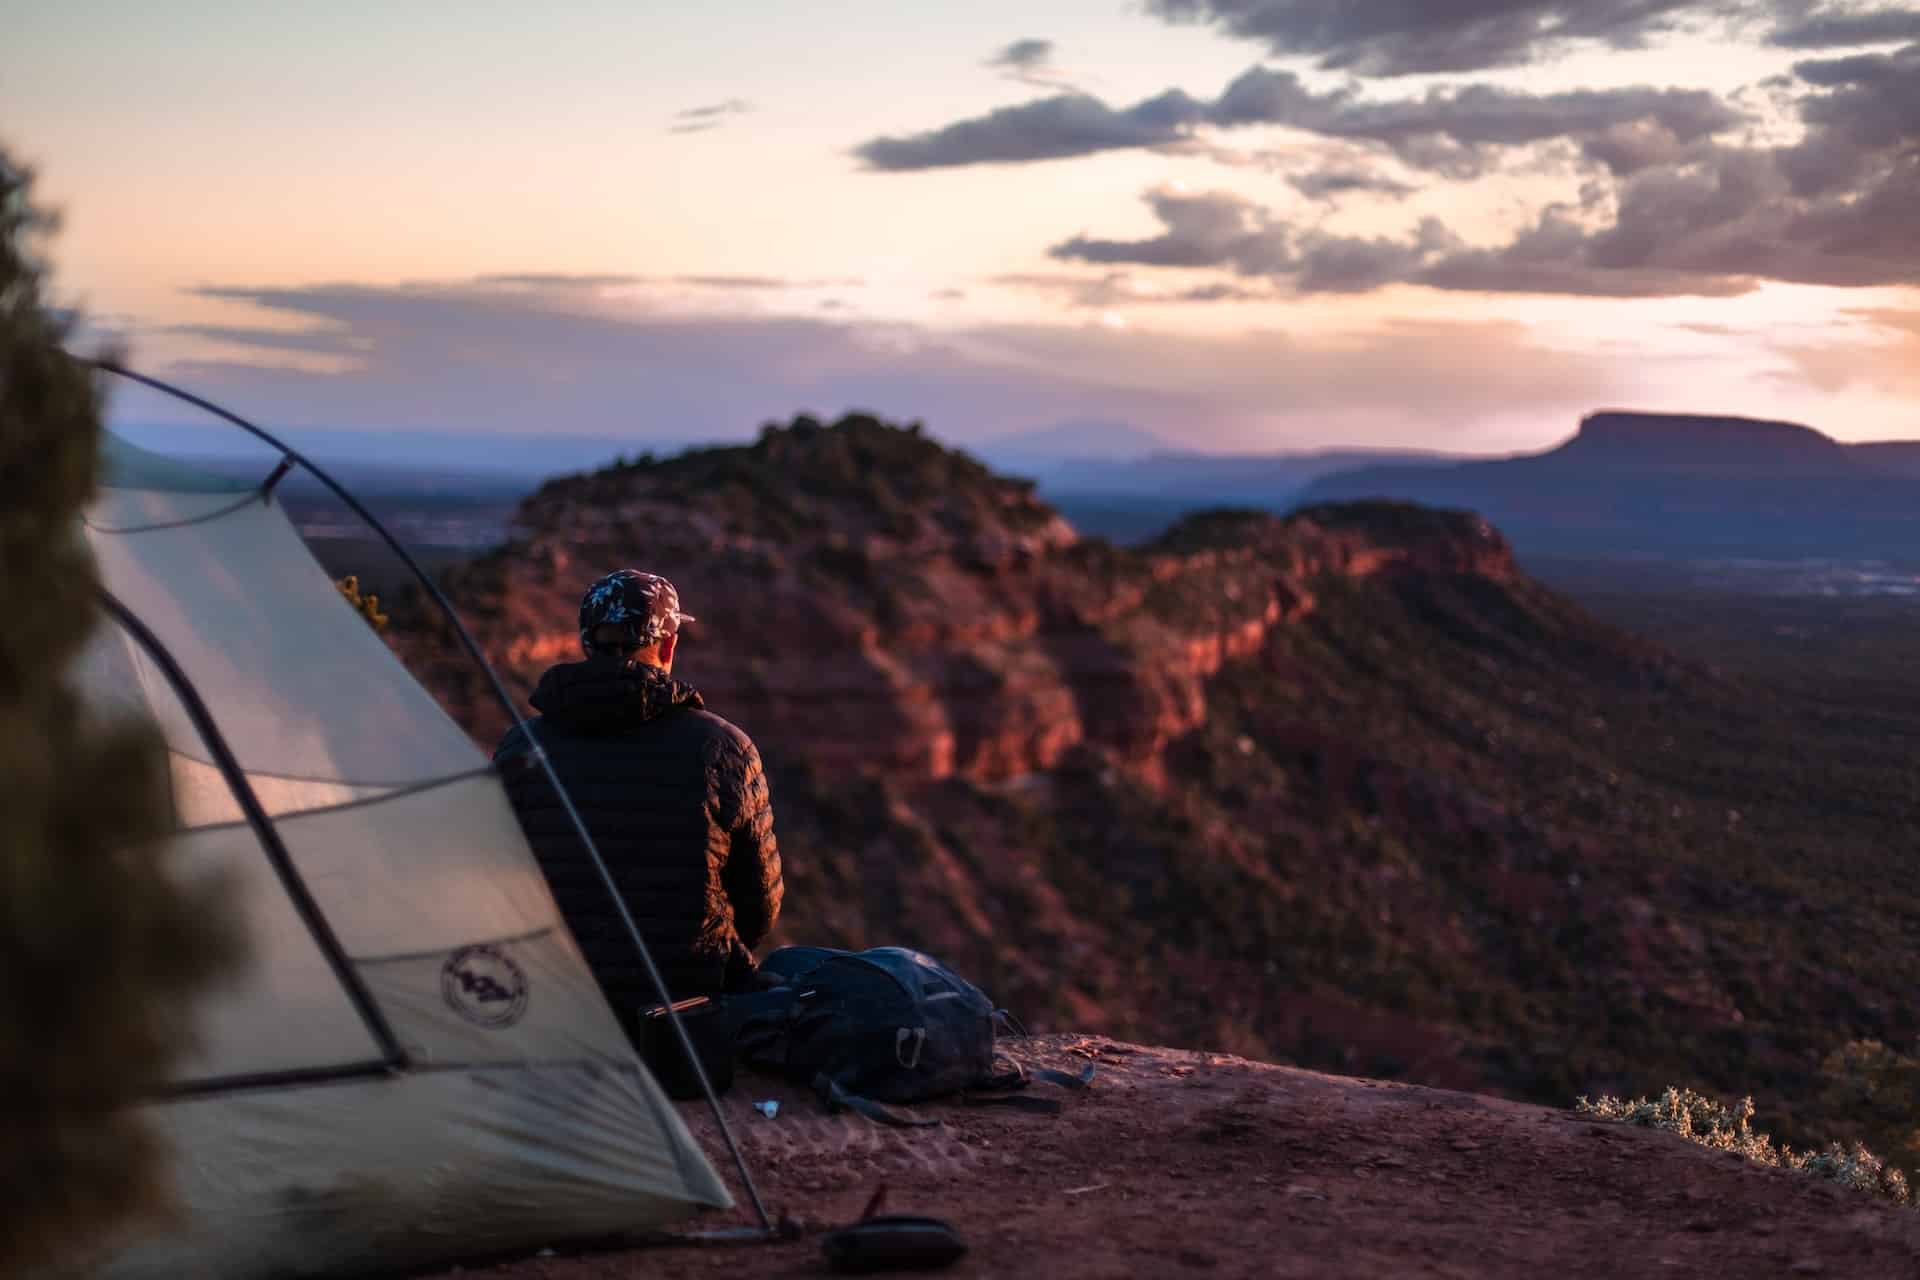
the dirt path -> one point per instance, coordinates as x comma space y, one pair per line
1182, 1163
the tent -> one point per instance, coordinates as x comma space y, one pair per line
416, 1063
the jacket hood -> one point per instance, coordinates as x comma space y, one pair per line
606, 695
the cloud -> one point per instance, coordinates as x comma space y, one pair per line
1070, 124
471, 357
1024, 55
1117, 288
1890, 365
557, 280
1205, 229
1714, 228
1324, 184
594, 282
1893, 320
767, 282
1833, 27
1030, 62
1438, 35
334, 341
1453, 130
701, 119
1671, 209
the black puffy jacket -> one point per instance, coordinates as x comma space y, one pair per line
677, 802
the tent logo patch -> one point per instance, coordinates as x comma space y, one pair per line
483, 985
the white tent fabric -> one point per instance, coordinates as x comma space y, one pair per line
507, 1107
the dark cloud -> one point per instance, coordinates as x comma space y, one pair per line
1872, 100
1628, 148
1712, 227
478, 359
1324, 184
1024, 55
1483, 115
1833, 27
1208, 229
701, 119
1669, 207
1031, 62
1070, 124
1390, 39
1451, 130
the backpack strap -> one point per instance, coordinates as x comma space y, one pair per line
1066, 1080
995, 1090
838, 1099
1018, 1076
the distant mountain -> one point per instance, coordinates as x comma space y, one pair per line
1900, 457
1224, 479
1045, 450
1679, 484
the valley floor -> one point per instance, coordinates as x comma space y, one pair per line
1189, 1163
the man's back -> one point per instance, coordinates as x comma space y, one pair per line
677, 802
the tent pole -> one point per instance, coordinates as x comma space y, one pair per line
392, 1054
472, 647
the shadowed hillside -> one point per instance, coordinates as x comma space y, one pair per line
1345, 789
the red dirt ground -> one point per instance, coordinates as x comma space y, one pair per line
1186, 1163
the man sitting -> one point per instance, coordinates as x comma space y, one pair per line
674, 796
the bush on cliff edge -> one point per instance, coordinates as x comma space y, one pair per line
100, 948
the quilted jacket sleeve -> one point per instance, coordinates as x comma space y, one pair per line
752, 872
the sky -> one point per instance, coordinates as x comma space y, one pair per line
1238, 225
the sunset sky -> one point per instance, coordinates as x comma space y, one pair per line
1237, 224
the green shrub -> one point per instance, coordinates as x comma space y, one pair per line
100, 948
1713, 1124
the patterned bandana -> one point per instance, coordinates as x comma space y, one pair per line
645, 605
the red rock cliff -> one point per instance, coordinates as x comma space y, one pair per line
868, 600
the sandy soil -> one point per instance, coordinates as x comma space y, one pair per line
1180, 1162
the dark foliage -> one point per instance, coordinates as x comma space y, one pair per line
100, 948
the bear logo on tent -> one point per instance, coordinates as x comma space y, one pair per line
483, 985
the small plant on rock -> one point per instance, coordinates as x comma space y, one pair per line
367, 605
1722, 1128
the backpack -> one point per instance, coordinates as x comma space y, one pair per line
884, 1025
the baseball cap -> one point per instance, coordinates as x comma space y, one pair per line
644, 604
